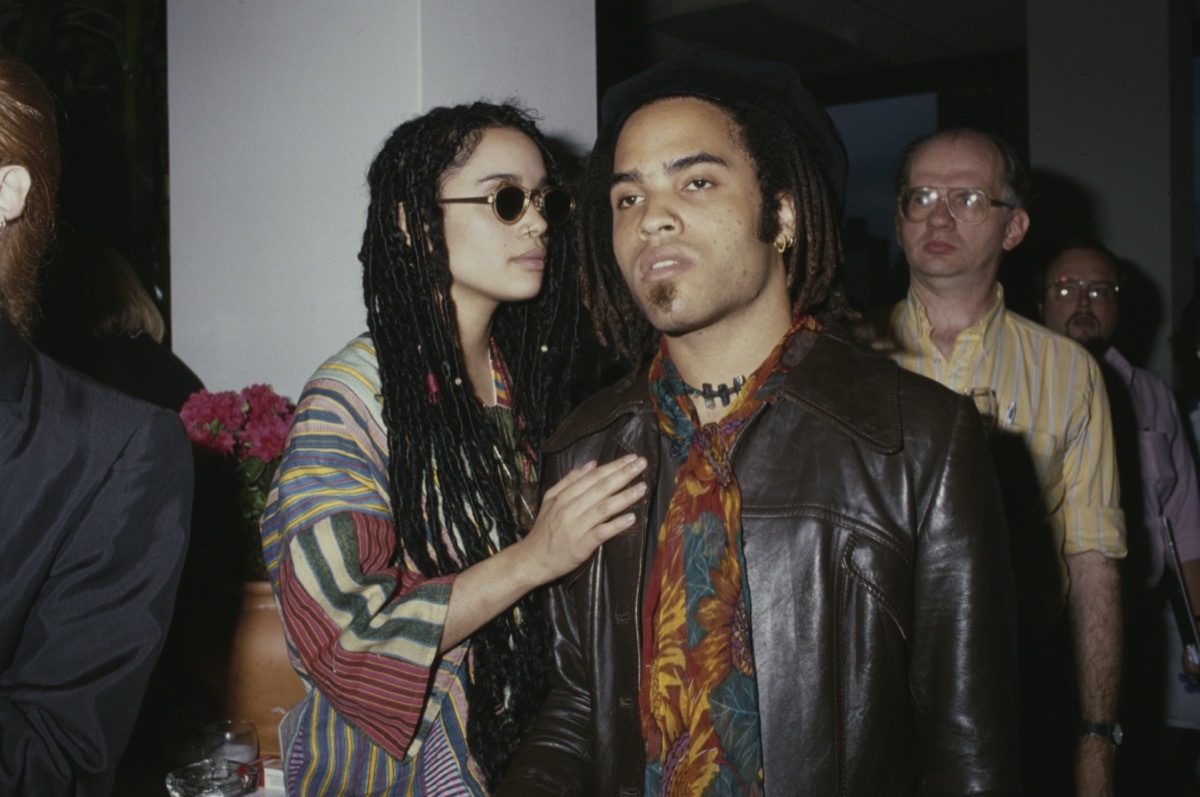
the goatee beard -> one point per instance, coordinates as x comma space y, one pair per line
662, 296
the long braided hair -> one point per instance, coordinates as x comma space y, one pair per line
447, 454
784, 163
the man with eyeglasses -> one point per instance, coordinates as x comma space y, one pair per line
961, 196
1081, 293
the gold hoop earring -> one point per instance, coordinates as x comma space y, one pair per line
784, 245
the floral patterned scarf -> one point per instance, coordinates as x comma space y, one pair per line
699, 699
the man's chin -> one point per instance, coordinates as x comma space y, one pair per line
672, 323
1085, 335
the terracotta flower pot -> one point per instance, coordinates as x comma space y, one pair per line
260, 684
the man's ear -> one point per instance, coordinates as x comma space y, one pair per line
1015, 228
787, 215
14, 188
402, 223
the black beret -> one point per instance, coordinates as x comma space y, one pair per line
734, 81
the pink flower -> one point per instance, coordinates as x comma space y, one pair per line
249, 428
262, 401
265, 437
213, 419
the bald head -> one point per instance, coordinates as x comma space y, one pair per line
1014, 175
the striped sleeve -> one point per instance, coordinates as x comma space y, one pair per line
363, 629
368, 640
1091, 514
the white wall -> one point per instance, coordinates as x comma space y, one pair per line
276, 109
541, 52
1109, 110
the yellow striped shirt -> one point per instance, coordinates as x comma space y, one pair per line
1053, 442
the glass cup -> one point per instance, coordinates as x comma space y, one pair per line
212, 778
985, 403
232, 740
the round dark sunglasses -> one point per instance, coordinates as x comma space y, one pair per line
510, 201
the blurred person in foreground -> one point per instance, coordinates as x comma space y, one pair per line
1081, 294
814, 597
96, 491
402, 534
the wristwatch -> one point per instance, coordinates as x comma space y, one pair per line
1106, 730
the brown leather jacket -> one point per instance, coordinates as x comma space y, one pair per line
881, 594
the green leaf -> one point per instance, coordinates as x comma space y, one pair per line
252, 469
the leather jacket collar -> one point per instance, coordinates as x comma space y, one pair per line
820, 381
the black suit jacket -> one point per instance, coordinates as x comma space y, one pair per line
95, 496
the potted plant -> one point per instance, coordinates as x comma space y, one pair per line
242, 434
246, 431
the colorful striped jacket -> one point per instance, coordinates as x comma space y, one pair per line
384, 713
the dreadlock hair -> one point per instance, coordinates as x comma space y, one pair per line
448, 493
784, 164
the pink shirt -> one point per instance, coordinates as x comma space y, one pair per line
1169, 486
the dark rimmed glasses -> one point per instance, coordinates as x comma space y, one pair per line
1066, 289
510, 201
966, 205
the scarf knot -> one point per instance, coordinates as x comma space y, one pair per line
710, 442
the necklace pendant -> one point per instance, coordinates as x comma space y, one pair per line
722, 391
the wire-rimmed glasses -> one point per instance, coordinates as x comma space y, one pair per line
1068, 289
966, 205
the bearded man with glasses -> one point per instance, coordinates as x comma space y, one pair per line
1081, 298
961, 197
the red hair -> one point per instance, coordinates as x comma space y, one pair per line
28, 138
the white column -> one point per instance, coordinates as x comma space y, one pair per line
1110, 112
276, 109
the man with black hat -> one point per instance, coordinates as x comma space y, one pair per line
815, 596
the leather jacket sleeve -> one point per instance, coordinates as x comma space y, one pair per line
963, 663
554, 758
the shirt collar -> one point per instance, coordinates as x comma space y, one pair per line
987, 328
14, 362
1119, 364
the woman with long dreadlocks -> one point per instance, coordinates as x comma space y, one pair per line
400, 533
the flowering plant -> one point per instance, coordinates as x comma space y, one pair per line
247, 429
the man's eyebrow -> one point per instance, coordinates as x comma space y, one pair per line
687, 161
674, 167
631, 176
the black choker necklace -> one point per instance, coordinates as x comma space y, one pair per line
721, 391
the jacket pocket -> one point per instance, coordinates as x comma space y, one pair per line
885, 573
